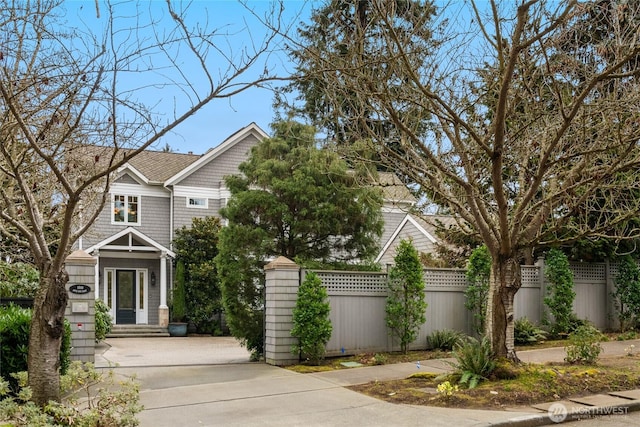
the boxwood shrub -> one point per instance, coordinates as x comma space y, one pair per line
15, 323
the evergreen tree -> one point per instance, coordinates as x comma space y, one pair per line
560, 293
197, 247
294, 200
478, 276
405, 309
311, 323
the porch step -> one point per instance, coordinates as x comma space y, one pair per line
137, 331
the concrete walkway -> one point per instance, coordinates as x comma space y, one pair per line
209, 381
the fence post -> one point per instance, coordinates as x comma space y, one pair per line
543, 288
613, 322
80, 309
282, 280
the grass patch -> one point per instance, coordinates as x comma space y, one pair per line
368, 359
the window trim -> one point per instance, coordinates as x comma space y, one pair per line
126, 218
189, 205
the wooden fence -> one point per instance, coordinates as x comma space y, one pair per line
358, 300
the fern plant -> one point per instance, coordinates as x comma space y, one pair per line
444, 339
525, 332
475, 361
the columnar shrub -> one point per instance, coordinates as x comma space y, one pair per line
311, 323
197, 247
627, 293
560, 293
477, 292
178, 304
405, 308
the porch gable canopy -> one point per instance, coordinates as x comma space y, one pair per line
130, 240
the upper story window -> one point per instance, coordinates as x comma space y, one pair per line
197, 202
126, 209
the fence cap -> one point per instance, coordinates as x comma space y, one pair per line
80, 257
282, 263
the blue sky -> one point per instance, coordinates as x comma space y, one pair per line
223, 117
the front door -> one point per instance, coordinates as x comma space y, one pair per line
125, 297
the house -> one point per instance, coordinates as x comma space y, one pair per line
151, 196
159, 192
401, 224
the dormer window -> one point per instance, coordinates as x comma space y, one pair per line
197, 202
125, 209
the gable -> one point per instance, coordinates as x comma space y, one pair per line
226, 163
410, 228
126, 179
128, 240
392, 220
219, 161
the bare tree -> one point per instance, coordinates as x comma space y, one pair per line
73, 112
533, 125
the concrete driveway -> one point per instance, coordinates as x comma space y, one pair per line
169, 351
208, 381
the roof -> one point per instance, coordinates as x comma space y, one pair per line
137, 241
433, 223
158, 166
148, 165
393, 189
161, 167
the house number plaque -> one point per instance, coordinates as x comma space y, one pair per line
79, 289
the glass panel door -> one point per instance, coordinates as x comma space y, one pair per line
125, 297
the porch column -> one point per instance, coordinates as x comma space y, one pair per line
163, 310
96, 256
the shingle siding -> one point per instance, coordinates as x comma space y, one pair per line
154, 222
420, 241
183, 215
391, 222
126, 179
212, 174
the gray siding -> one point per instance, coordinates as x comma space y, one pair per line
182, 215
391, 222
126, 179
420, 242
154, 220
212, 174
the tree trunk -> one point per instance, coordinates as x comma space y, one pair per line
47, 328
505, 282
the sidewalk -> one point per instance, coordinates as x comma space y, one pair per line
189, 382
568, 410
